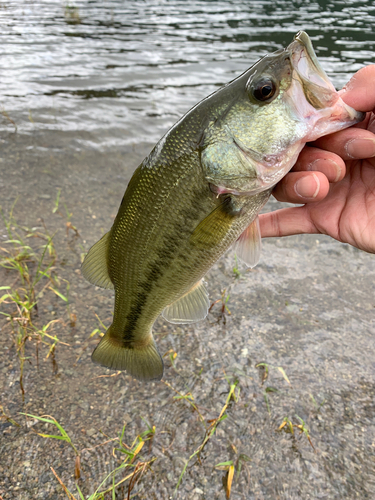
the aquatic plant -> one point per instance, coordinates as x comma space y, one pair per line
33, 275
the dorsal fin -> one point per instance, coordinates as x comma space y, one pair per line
248, 245
190, 308
95, 267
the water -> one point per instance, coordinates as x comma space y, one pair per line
128, 65
90, 91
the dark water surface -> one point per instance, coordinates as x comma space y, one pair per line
91, 86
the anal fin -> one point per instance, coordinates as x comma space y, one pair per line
95, 267
248, 245
190, 308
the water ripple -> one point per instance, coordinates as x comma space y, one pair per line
139, 65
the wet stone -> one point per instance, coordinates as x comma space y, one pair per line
45, 477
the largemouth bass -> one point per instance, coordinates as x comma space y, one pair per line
199, 191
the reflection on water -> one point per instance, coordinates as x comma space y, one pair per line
124, 65
91, 85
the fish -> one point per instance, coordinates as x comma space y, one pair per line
199, 192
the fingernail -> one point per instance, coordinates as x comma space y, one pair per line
306, 187
360, 148
321, 166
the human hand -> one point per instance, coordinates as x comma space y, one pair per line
334, 178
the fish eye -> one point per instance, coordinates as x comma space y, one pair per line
264, 90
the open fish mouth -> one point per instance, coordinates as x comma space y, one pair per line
305, 62
318, 89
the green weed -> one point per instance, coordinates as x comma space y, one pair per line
236, 272
211, 426
189, 398
316, 406
232, 466
172, 355
224, 305
68, 215
288, 426
64, 435
263, 373
130, 454
33, 274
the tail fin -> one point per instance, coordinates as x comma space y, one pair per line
141, 362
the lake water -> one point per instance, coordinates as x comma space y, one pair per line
86, 89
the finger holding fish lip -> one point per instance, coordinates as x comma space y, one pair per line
327, 155
355, 142
358, 94
350, 144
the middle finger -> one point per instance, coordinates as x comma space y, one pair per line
316, 159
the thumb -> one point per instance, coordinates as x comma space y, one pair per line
359, 92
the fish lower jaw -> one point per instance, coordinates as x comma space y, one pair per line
257, 186
268, 176
278, 166
262, 183
268, 180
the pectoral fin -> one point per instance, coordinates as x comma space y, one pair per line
95, 267
191, 307
213, 228
248, 245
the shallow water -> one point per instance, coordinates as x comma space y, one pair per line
89, 101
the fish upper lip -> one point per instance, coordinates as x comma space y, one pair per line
305, 40
305, 62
